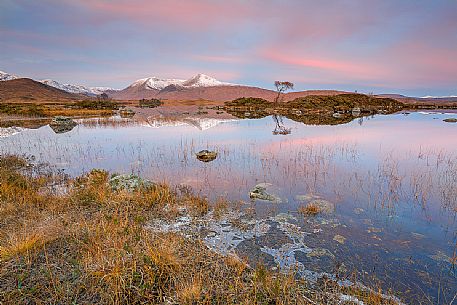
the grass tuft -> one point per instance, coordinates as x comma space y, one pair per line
310, 209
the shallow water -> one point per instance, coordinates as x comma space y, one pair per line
391, 178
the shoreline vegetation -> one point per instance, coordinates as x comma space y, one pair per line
88, 240
311, 109
316, 109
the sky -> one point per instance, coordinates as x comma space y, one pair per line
386, 46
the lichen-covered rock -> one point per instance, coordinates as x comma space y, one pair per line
206, 155
263, 191
61, 124
128, 182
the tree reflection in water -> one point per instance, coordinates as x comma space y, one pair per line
280, 129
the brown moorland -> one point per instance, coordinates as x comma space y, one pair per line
25, 90
84, 242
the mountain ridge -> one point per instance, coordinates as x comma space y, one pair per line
198, 87
29, 90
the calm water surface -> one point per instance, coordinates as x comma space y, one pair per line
393, 180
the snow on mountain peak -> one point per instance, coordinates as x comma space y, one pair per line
157, 83
6, 76
202, 80
78, 89
199, 80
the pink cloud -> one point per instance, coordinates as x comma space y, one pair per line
351, 68
220, 59
192, 15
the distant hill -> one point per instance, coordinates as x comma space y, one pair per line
201, 87
441, 101
29, 91
198, 87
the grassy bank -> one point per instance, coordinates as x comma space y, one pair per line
316, 109
78, 108
84, 241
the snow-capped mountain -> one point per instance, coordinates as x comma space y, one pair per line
155, 83
149, 83
199, 80
6, 76
202, 80
79, 89
100, 90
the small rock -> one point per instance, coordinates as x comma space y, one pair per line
324, 206
367, 222
306, 197
340, 239
358, 211
417, 235
260, 192
284, 217
440, 257
206, 155
356, 111
374, 230
128, 182
450, 120
319, 252
211, 234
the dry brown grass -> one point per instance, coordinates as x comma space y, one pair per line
91, 246
220, 207
310, 209
17, 246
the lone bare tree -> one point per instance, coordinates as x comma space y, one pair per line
282, 87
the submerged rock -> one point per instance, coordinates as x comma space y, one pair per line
324, 206
206, 155
306, 197
358, 211
356, 111
340, 239
320, 252
440, 256
417, 235
128, 182
62, 124
262, 191
374, 230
